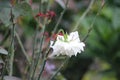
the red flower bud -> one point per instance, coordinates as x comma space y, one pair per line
40, 15
50, 14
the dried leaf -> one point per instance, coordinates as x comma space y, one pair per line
3, 51
11, 78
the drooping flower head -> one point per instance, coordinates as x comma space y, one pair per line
67, 45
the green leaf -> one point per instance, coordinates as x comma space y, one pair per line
23, 9
4, 3
3, 51
107, 12
116, 18
5, 16
5, 12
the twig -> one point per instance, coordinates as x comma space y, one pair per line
60, 18
43, 63
83, 15
12, 44
42, 68
33, 65
41, 40
39, 52
56, 26
22, 48
92, 24
40, 6
33, 54
7, 34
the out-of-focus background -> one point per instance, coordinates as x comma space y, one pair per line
101, 58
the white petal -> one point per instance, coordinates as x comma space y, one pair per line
72, 47
73, 35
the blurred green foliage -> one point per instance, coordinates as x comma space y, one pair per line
103, 42
104, 39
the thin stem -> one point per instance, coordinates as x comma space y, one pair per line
12, 44
40, 6
92, 24
22, 48
83, 15
43, 63
33, 65
48, 5
59, 69
33, 54
60, 18
56, 26
42, 68
41, 40
39, 52
7, 34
